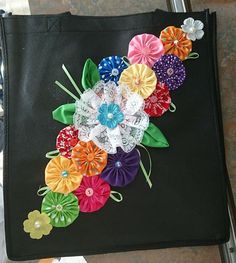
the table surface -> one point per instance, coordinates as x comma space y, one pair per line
227, 68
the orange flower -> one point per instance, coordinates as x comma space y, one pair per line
61, 175
89, 159
175, 42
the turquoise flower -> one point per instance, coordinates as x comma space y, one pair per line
110, 115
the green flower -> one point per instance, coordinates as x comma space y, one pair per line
62, 209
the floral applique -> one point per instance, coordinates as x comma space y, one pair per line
108, 126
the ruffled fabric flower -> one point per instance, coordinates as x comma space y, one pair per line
66, 140
193, 28
140, 79
92, 194
61, 175
145, 49
121, 168
62, 209
176, 42
89, 159
159, 101
127, 134
111, 67
37, 225
110, 115
170, 70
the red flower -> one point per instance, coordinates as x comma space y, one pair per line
66, 140
158, 102
92, 193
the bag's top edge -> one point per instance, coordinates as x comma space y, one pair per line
66, 22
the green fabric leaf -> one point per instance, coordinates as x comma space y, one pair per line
90, 75
62, 209
153, 137
64, 113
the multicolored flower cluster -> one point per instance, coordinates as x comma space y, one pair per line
98, 150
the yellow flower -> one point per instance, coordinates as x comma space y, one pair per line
37, 225
140, 79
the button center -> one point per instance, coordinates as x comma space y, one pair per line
89, 192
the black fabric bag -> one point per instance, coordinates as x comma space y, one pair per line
187, 204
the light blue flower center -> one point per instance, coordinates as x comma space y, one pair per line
110, 115
115, 72
64, 173
118, 164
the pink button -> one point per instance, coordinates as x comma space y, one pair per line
89, 191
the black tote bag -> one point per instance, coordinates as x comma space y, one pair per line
187, 204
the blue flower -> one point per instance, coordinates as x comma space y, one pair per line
111, 67
110, 115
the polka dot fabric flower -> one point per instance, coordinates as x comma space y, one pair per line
88, 158
159, 101
61, 175
176, 42
170, 70
62, 209
121, 168
145, 49
37, 225
66, 140
111, 67
93, 193
140, 79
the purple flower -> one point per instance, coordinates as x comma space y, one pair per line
170, 70
121, 168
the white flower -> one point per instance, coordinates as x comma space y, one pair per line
193, 28
111, 116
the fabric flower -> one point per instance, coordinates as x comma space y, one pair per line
193, 28
159, 101
61, 175
121, 168
127, 134
62, 209
93, 193
140, 79
111, 67
145, 49
110, 115
170, 70
88, 158
66, 140
176, 42
37, 225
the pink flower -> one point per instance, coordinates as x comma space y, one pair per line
92, 193
145, 49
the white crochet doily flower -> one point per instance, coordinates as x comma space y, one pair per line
193, 28
111, 116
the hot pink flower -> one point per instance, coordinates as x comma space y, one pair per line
145, 49
92, 193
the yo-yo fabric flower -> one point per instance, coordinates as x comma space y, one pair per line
62, 209
127, 133
193, 28
61, 175
158, 102
140, 79
121, 168
93, 193
145, 49
176, 42
170, 70
89, 159
66, 140
37, 225
111, 67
